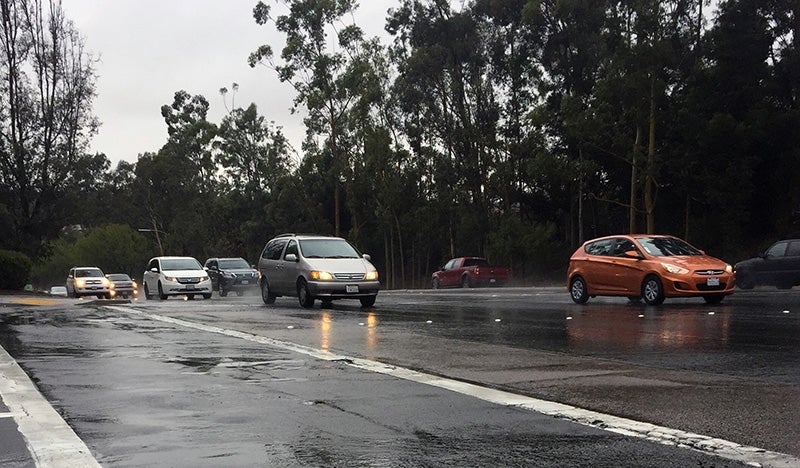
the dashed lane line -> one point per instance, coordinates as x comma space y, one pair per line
663, 435
50, 440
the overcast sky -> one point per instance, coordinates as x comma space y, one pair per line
149, 49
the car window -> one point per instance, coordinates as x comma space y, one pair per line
777, 250
180, 264
327, 248
793, 250
479, 262
93, 273
119, 277
450, 265
601, 247
623, 245
291, 248
153, 264
667, 246
233, 263
274, 249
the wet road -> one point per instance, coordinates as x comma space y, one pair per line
233, 382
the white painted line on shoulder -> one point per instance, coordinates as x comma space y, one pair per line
50, 440
663, 435
6, 415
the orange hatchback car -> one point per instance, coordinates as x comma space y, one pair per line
649, 267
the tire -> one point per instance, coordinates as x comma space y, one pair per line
578, 290
266, 295
713, 298
435, 283
240, 293
161, 294
368, 301
652, 291
304, 295
465, 282
222, 291
101, 296
745, 281
190, 297
207, 296
147, 294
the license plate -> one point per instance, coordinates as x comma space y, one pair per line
492, 280
351, 288
712, 282
189, 286
245, 282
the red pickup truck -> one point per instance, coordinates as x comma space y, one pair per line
468, 272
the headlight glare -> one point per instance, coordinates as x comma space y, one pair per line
321, 275
372, 275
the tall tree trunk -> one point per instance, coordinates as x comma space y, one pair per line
634, 185
649, 187
580, 197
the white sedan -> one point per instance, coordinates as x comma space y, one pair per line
176, 276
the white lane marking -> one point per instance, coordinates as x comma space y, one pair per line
628, 427
50, 440
6, 415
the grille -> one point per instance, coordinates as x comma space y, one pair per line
710, 272
349, 276
188, 280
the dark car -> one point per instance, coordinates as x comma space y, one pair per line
232, 274
778, 266
123, 285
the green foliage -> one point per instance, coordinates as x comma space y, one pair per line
114, 248
15, 269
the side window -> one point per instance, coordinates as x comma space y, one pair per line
777, 250
274, 249
602, 247
450, 265
291, 248
793, 250
153, 264
623, 245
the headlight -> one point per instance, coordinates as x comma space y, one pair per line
674, 269
79, 283
728, 268
321, 275
107, 283
372, 275
133, 283
171, 278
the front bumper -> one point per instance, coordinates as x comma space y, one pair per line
239, 284
343, 289
698, 285
172, 288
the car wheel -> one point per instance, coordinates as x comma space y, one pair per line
465, 283
266, 295
75, 294
578, 290
240, 293
435, 283
222, 291
652, 291
101, 296
147, 294
190, 297
368, 301
161, 294
713, 298
745, 281
304, 295
207, 296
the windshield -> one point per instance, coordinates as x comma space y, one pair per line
667, 246
233, 263
119, 277
93, 273
180, 264
327, 248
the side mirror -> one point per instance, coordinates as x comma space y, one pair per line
290, 258
367, 257
154, 270
632, 254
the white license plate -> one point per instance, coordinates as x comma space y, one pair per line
712, 282
190, 286
245, 282
492, 280
351, 288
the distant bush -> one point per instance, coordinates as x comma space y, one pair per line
15, 269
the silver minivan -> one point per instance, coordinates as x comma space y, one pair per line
314, 267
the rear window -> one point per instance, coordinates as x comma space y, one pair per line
479, 262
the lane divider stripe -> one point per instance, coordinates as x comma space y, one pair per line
660, 434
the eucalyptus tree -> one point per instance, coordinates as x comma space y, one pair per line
450, 112
46, 91
322, 75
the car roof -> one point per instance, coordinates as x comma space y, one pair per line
169, 257
87, 268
